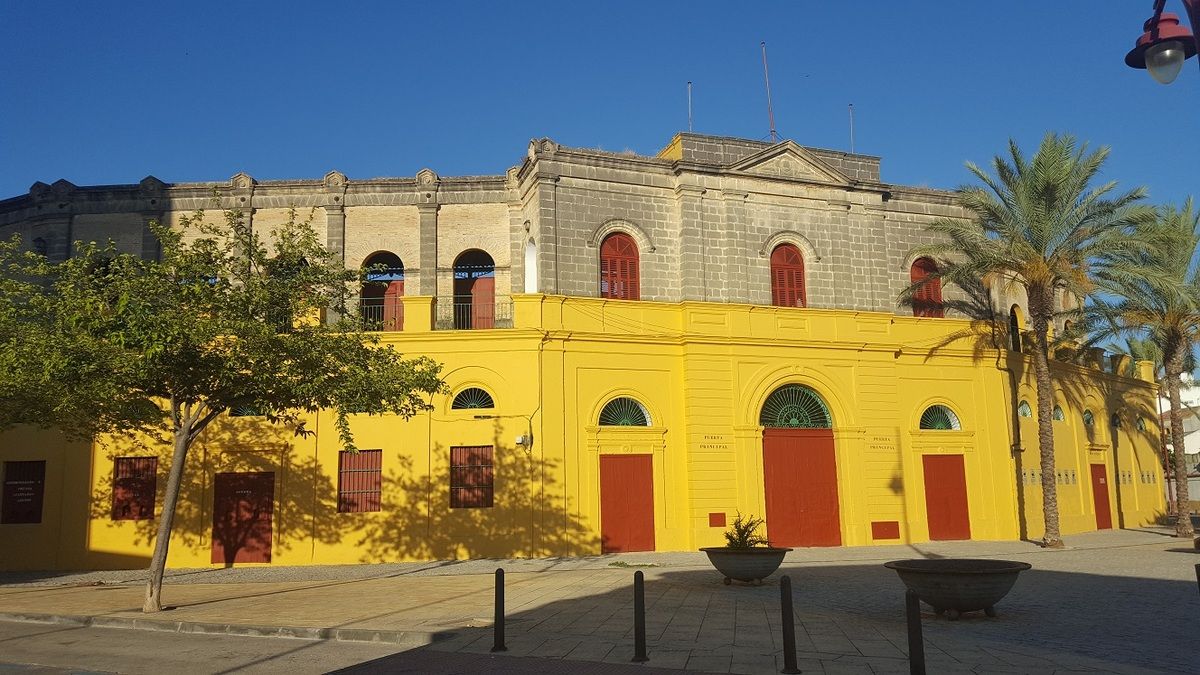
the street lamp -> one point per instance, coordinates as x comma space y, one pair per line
1165, 45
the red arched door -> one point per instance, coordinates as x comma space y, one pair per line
787, 276
619, 267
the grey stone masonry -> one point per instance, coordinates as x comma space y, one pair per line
706, 213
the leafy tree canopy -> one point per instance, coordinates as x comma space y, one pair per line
109, 342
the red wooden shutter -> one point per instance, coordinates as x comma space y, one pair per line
359, 480
471, 477
619, 267
787, 277
927, 300
393, 306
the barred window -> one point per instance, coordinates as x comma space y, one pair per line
471, 477
360, 480
135, 480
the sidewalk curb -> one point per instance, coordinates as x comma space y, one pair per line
405, 638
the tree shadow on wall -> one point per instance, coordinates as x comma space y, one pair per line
530, 516
258, 518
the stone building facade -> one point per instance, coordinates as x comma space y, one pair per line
651, 346
706, 212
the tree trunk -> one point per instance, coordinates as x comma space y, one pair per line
1173, 364
162, 542
1039, 311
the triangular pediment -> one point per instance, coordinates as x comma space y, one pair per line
789, 161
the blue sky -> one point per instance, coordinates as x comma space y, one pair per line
100, 92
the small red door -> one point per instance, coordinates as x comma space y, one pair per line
946, 497
393, 306
800, 476
483, 302
1100, 497
243, 504
626, 503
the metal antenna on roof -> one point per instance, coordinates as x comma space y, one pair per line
689, 105
770, 110
852, 128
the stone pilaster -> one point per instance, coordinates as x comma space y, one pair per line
689, 202
428, 204
547, 201
735, 248
53, 224
335, 214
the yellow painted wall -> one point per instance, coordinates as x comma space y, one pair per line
702, 370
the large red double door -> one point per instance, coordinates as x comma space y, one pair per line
626, 503
243, 507
801, 485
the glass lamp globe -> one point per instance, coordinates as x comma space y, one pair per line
1164, 60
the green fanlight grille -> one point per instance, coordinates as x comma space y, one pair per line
1058, 414
939, 417
794, 406
473, 397
624, 412
1024, 410
1089, 419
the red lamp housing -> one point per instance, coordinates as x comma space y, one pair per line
1165, 28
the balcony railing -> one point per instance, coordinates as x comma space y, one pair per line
450, 313
381, 314
462, 312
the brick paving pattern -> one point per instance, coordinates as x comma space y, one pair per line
1113, 602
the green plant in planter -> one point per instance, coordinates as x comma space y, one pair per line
744, 533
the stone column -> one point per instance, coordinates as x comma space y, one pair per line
688, 199
736, 249
335, 214
151, 247
429, 249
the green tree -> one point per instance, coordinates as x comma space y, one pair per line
109, 343
1042, 224
1153, 300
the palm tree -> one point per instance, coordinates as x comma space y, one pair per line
1042, 225
1157, 301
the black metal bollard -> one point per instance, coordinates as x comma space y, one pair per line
639, 618
789, 625
916, 644
498, 626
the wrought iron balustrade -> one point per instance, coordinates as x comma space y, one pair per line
381, 313
464, 312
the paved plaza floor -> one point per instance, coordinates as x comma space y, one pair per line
1115, 601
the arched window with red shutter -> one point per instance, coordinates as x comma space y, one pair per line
619, 267
787, 276
927, 300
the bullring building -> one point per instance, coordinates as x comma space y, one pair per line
636, 349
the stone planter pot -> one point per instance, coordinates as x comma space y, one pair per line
956, 585
746, 564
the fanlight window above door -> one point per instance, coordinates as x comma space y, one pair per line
624, 412
472, 398
941, 418
1024, 410
794, 406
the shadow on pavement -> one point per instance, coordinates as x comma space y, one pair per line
846, 615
